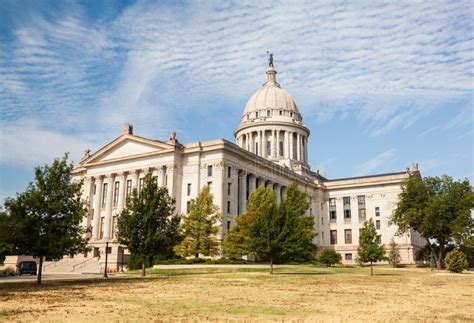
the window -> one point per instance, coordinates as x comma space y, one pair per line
377, 211
229, 188
348, 256
229, 172
228, 206
280, 148
129, 187
281, 112
189, 189
332, 202
379, 239
188, 203
332, 216
291, 114
104, 195
377, 224
348, 236
362, 214
361, 199
269, 148
141, 184
92, 215
116, 193
256, 148
228, 225
95, 188
101, 227
322, 206
109, 250
347, 214
322, 220
256, 114
114, 226
209, 184
209, 171
333, 236
268, 113
311, 211
346, 200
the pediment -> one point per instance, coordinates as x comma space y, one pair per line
125, 147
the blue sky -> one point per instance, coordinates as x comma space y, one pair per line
379, 84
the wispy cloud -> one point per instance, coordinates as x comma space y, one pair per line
375, 164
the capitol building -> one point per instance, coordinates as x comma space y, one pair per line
270, 149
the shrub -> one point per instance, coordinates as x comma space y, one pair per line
329, 257
456, 261
7, 272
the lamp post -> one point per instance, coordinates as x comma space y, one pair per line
106, 256
123, 252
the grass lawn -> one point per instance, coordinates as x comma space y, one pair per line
219, 294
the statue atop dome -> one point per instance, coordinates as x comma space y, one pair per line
270, 59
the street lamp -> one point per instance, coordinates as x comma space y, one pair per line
106, 254
123, 252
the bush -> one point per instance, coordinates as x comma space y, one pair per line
7, 272
456, 261
329, 257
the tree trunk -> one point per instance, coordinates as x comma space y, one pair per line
143, 268
271, 266
40, 271
439, 261
371, 269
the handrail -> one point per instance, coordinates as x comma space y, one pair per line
83, 263
54, 262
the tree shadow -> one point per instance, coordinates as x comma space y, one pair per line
304, 273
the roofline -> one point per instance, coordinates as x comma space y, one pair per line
367, 176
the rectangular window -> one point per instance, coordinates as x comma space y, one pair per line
129, 187
101, 231
114, 227
322, 220
377, 211
229, 172
332, 216
362, 214
104, 195
348, 236
379, 239
188, 203
189, 189
280, 148
333, 236
377, 224
116, 193
256, 148
229, 188
95, 188
310, 211
348, 256
361, 199
109, 250
347, 215
228, 206
346, 200
228, 225
141, 183
209, 184
92, 215
332, 202
209, 171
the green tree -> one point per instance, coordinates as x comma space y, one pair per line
200, 227
45, 220
148, 225
370, 250
394, 257
329, 257
237, 242
456, 261
439, 208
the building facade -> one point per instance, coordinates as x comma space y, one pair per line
271, 150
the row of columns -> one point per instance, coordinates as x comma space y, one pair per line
111, 209
256, 142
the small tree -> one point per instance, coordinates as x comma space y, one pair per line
369, 249
329, 257
45, 220
148, 225
394, 257
200, 227
456, 261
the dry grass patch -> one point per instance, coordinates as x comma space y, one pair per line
303, 294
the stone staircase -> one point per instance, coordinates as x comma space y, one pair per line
69, 265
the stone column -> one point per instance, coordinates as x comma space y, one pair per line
122, 191
242, 193
252, 185
136, 179
108, 206
278, 143
298, 147
276, 188
290, 135
87, 190
286, 146
261, 144
98, 181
